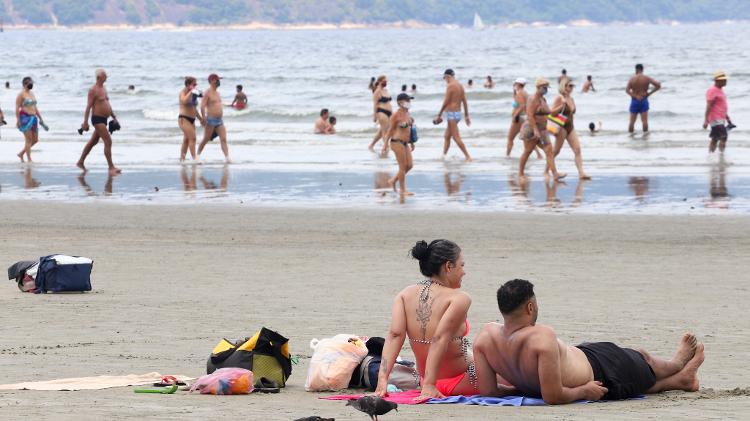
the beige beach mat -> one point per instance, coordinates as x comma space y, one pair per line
91, 383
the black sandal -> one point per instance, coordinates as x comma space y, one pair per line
265, 385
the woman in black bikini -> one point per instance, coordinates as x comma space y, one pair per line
188, 114
381, 112
399, 137
567, 107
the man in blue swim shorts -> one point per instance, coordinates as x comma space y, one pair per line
638, 90
212, 109
455, 97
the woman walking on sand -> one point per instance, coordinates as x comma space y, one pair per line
567, 107
28, 118
399, 136
381, 112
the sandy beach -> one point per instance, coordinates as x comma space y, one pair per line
169, 282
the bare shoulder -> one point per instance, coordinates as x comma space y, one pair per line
461, 298
542, 338
490, 329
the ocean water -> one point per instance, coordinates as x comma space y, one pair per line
289, 75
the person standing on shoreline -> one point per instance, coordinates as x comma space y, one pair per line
534, 131
381, 112
637, 89
716, 113
454, 98
100, 110
399, 137
213, 112
188, 114
28, 117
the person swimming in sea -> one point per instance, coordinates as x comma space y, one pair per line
240, 99
332, 122
489, 83
28, 118
432, 315
588, 85
323, 124
593, 129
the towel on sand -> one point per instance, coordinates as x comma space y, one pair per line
407, 398
91, 383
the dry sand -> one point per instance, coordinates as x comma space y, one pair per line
170, 281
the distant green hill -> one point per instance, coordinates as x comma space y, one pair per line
438, 12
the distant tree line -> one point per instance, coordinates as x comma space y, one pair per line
461, 12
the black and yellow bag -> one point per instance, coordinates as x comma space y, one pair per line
266, 354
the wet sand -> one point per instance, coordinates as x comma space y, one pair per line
171, 281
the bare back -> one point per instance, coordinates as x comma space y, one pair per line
100, 101
638, 85
517, 357
423, 318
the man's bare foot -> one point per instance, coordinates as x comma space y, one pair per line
560, 176
392, 183
114, 171
80, 165
468, 159
20, 155
227, 161
371, 148
689, 374
584, 177
522, 178
406, 193
686, 350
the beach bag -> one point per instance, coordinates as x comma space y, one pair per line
266, 354
61, 273
555, 123
413, 137
225, 381
403, 375
333, 362
23, 273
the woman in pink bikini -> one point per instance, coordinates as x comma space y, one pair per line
432, 314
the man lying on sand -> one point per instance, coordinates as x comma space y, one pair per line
534, 362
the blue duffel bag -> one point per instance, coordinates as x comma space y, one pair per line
61, 273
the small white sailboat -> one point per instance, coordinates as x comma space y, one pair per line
478, 24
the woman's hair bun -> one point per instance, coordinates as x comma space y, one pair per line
421, 250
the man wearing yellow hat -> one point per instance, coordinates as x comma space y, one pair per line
716, 113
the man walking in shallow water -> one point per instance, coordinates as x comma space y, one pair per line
100, 110
212, 109
454, 98
637, 89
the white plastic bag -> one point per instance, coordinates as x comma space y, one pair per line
333, 362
